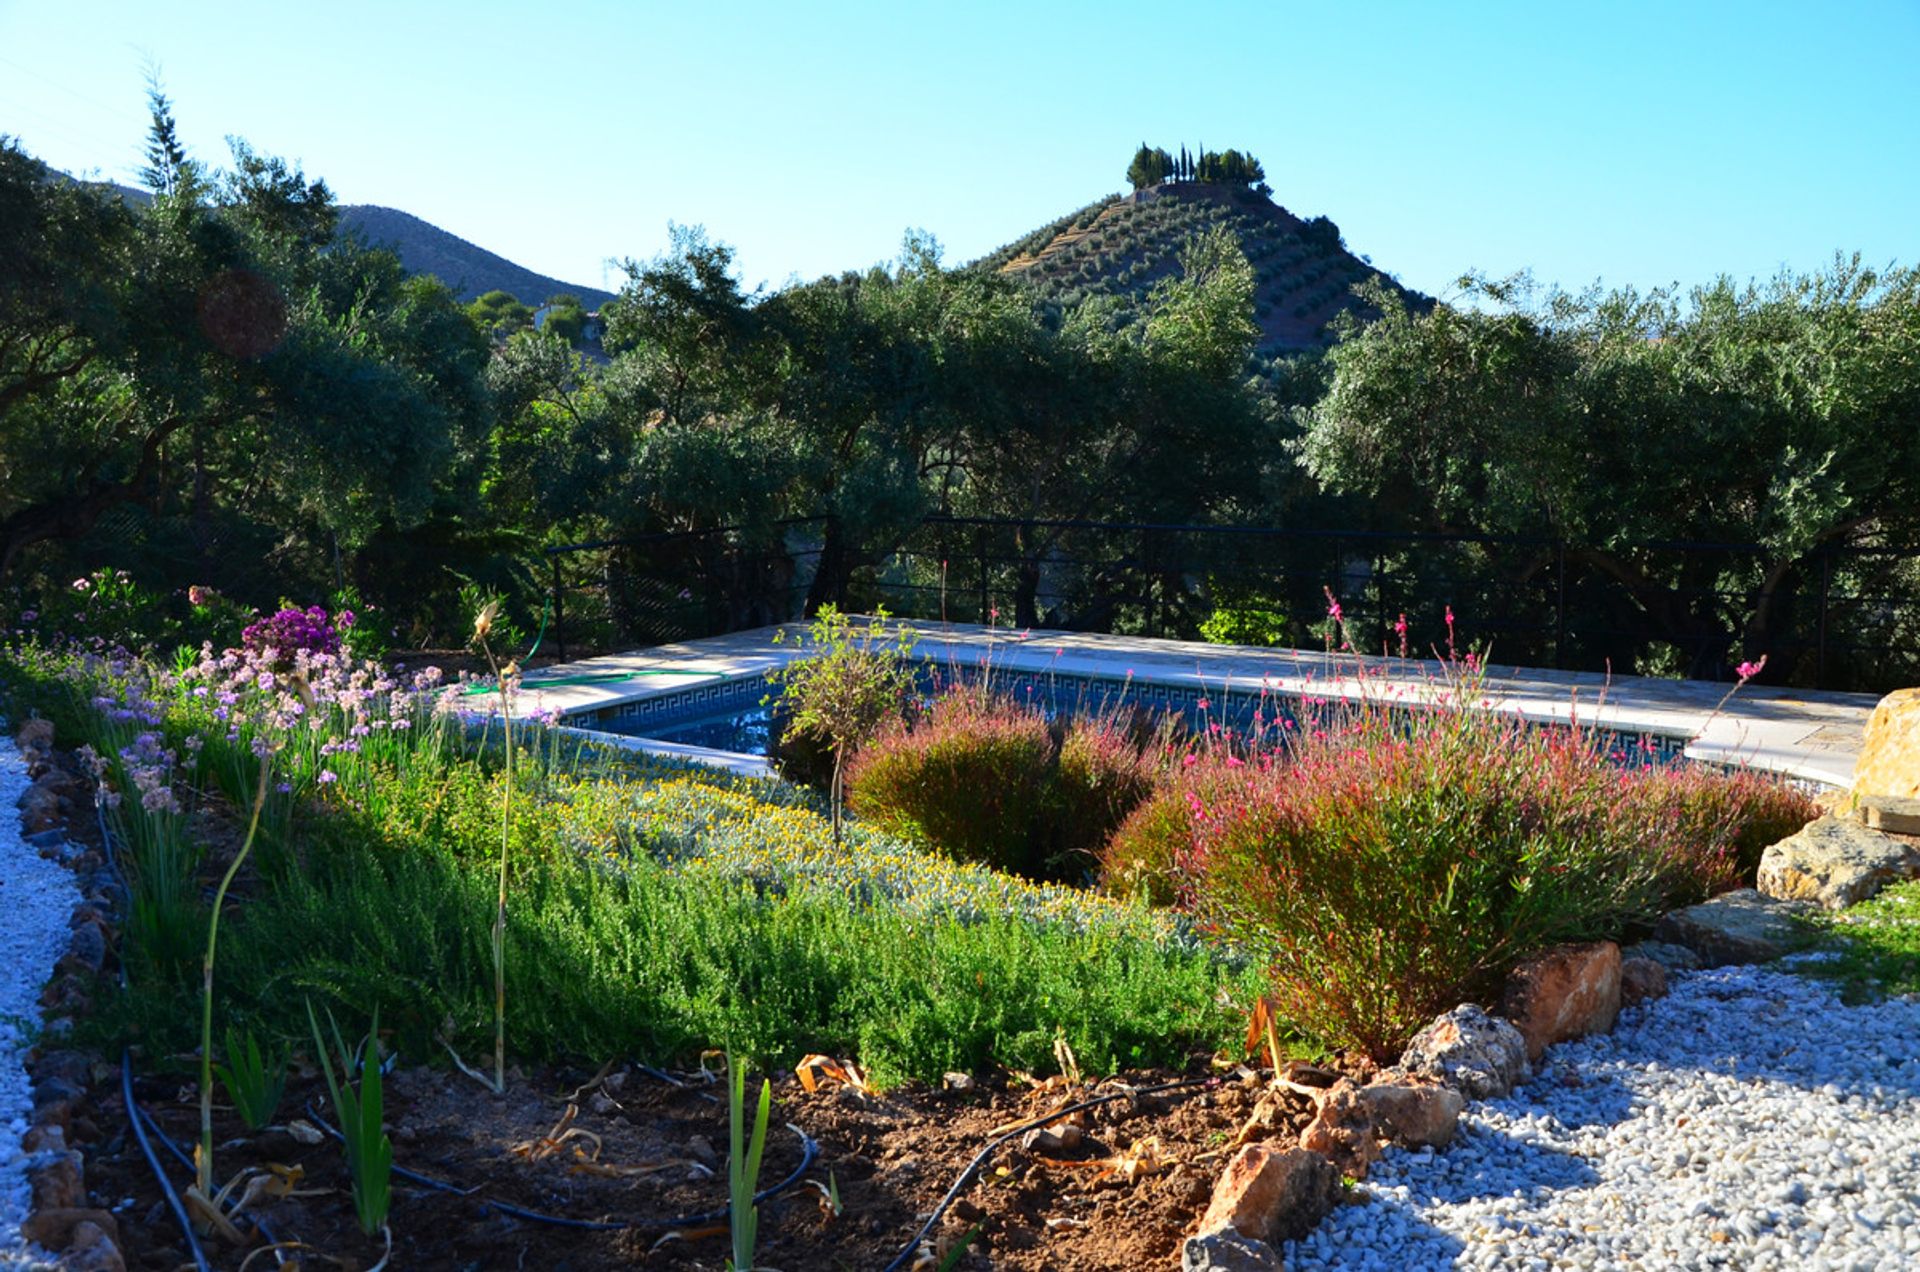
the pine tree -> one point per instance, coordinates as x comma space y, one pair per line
169, 172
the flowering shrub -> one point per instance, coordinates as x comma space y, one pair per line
1390, 865
983, 778
969, 779
293, 631
1144, 856
1100, 775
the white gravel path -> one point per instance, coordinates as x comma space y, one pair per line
37, 897
1749, 1120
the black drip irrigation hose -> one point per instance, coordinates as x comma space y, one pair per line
980, 1158
166, 1186
809, 1154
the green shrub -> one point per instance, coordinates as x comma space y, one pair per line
1100, 775
970, 779
1147, 854
1387, 868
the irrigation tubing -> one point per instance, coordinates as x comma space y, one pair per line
980, 1158
809, 1154
166, 1185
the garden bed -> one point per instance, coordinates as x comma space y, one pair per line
890, 1157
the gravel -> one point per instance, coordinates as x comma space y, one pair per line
37, 897
1749, 1120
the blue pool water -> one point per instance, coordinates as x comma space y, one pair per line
738, 715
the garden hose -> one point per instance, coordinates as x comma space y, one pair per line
979, 1159
166, 1185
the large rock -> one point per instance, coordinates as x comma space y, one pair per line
1889, 813
39, 810
1478, 1055
1835, 862
1228, 1251
1342, 1130
1414, 1113
35, 738
1641, 980
1272, 1194
1565, 993
1736, 927
1889, 762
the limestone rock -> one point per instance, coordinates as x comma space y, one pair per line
93, 1250
1413, 1113
1063, 1137
1342, 1130
57, 1183
1565, 993
1272, 1194
1228, 1251
1641, 979
1478, 1055
1671, 957
57, 1229
39, 810
1735, 927
1890, 814
35, 738
1889, 762
1835, 862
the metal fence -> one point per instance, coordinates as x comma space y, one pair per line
1845, 617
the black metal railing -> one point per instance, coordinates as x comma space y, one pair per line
1842, 617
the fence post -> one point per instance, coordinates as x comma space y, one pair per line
1826, 584
559, 611
980, 551
1559, 603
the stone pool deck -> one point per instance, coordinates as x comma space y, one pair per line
1804, 734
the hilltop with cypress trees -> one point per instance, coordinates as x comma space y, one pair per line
1123, 244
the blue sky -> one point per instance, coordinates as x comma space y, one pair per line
1632, 143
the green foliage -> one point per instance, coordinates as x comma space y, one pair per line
845, 686
983, 779
1388, 866
1874, 946
970, 780
745, 1150
499, 314
1772, 415
360, 1113
255, 1077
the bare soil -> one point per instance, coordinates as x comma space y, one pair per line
643, 1148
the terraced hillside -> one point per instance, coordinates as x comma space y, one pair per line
1124, 244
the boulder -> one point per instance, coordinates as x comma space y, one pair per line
1478, 1055
1342, 1129
1565, 993
39, 810
1671, 957
1272, 1194
57, 1182
56, 1229
35, 738
1641, 980
93, 1250
1228, 1251
1835, 862
1736, 927
1889, 814
1889, 762
1414, 1113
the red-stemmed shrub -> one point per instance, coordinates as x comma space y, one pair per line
969, 779
982, 778
1390, 865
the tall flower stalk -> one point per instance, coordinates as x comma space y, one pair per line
204, 1176
504, 677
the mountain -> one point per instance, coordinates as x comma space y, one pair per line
425, 248
1124, 244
